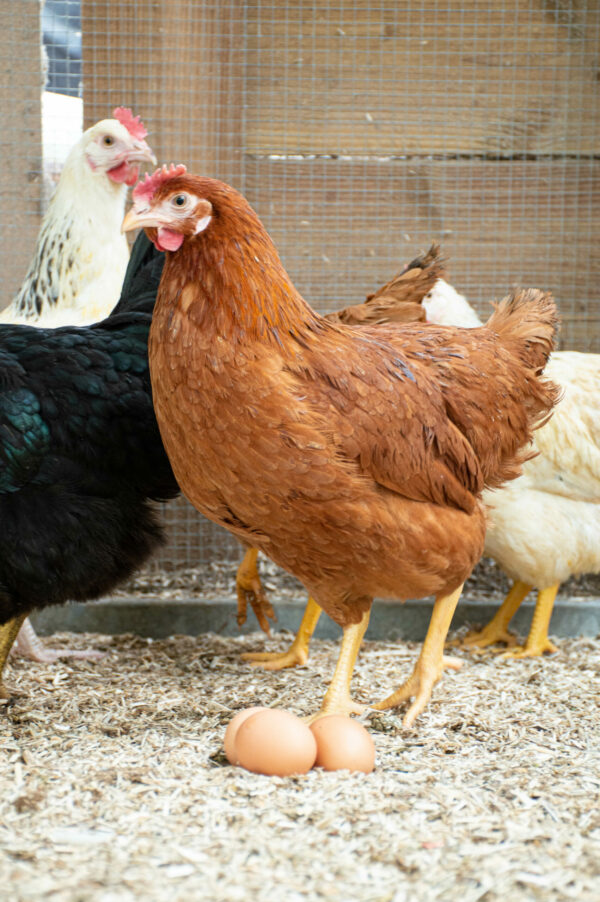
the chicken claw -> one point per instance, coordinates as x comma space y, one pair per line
531, 650
489, 635
420, 685
431, 662
497, 629
250, 590
297, 653
537, 642
29, 645
295, 656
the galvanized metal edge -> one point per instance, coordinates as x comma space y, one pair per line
157, 618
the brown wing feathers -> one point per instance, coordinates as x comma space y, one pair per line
400, 299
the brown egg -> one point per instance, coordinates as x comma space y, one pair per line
343, 744
275, 743
231, 732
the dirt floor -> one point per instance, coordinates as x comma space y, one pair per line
114, 786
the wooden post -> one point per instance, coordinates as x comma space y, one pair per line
21, 124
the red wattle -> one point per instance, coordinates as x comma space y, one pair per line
168, 240
124, 172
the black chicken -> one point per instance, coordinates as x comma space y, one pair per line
81, 458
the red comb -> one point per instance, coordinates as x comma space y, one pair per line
146, 188
133, 124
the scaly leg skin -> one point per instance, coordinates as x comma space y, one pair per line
537, 642
431, 662
337, 698
297, 653
29, 644
249, 589
8, 634
497, 629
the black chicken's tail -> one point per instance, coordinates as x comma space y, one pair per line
142, 278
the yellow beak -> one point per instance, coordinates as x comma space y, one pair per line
135, 220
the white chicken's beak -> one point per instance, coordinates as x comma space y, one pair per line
141, 153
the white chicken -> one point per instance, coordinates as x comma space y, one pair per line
77, 270
544, 526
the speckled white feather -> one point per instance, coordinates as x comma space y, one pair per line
81, 256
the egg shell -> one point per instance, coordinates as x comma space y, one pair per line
343, 744
231, 731
275, 743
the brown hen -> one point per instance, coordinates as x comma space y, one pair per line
398, 301
354, 458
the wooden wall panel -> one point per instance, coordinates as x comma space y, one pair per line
343, 228
361, 131
423, 78
20, 140
178, 65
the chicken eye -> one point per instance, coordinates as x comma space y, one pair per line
179, 200
108, 140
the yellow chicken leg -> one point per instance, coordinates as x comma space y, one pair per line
337, 698
249, 589
497, 629
431, 663
297, 653
8, 634
537, 642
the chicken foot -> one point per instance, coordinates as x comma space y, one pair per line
250, 590
337, 698
8, 634
28, 643
537, 642
297, 653
431, 662
497, 629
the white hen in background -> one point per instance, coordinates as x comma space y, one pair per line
544, 526
77, 270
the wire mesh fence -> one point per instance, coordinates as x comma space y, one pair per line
359, 130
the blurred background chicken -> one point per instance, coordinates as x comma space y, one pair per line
77, 269
354, 457
545, 526
76, 273
81, 459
